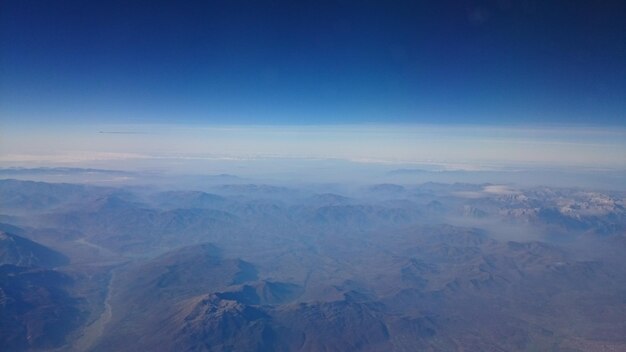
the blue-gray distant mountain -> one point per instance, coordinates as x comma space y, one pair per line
20, 251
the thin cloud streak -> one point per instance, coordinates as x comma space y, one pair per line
463, 145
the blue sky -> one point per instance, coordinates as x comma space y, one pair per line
317, 62
472, 82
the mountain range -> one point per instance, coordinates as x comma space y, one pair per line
255, 267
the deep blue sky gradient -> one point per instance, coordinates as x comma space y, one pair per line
313, 62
